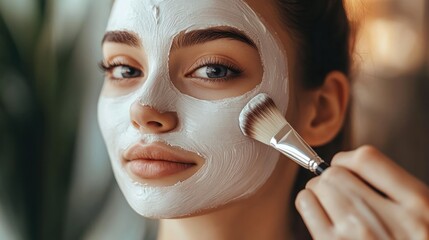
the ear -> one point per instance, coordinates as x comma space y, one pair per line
327, 110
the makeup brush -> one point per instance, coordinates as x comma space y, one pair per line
261, 120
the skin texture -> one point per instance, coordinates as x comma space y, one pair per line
363, 195
173, 71
161, 77
342, 203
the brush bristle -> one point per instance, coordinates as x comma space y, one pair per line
260, 119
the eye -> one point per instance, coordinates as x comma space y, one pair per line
214, 69
118, 71
124, 71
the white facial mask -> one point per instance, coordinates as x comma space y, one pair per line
235, 166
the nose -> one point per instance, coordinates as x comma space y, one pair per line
149, 120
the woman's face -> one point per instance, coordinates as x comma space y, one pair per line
178, 74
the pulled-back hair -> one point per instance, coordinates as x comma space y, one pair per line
320, 32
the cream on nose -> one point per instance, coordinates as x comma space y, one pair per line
149, 120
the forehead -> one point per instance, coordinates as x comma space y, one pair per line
163, 19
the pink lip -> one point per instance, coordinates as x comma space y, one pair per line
156, 160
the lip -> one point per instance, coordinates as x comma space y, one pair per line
156, 160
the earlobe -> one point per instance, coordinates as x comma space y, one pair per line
329, 109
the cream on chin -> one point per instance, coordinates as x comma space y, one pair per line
235, 166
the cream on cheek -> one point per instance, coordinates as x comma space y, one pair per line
235, 166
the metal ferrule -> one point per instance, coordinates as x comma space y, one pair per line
288, 142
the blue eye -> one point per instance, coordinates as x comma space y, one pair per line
123, 71
213, 71
119, 71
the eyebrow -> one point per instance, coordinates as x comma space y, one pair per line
123, 37
183, 39
205, 35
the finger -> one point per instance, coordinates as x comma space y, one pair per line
385, 175
402, 223
336, 204
315, 218
365, 200
392, 221
345, 206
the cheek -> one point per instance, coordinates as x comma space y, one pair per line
210, 123
298, 111
292, 115
114, 120
218, 130
208, 128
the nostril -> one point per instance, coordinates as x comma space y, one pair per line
136, 124
154, 124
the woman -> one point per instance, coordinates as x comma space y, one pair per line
178, 74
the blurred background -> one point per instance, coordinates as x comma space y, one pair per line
55, 176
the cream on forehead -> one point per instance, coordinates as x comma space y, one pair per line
235, 166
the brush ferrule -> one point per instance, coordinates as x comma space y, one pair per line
288, 142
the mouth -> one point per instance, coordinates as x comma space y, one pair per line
157, 160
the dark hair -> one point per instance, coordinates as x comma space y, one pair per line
320, 31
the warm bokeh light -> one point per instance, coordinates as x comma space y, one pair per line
394, 45
389, 34
391, 79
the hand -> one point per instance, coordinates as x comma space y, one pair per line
365, 195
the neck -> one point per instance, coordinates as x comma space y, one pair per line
264, 215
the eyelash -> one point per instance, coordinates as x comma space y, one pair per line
216, 61
107, 68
